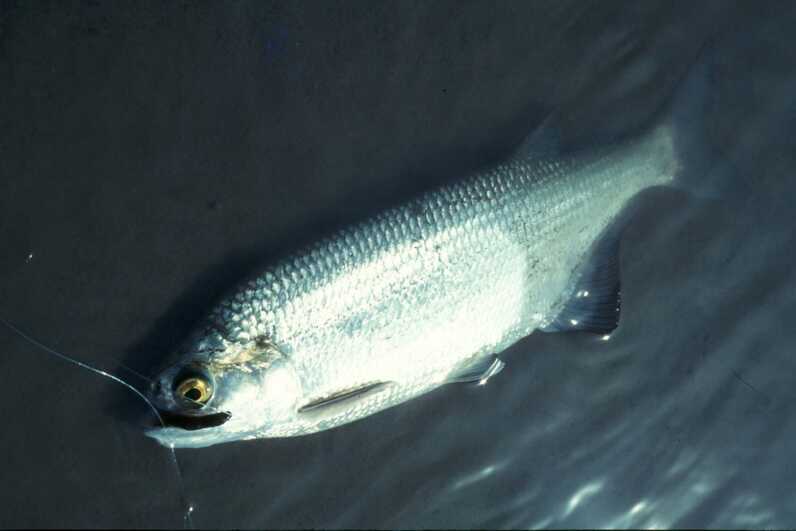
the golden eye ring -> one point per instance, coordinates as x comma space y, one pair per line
196, 390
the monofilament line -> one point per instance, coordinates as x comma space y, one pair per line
187, 519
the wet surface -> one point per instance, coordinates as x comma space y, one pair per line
153, 155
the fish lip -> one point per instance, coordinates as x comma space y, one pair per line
193, 422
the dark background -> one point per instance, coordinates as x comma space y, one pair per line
152, 154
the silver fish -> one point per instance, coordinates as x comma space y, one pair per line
416, 297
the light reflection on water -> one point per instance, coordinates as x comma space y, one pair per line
678, 421
582, 495
681, 418
475, 477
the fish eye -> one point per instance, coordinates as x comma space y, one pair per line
194, 389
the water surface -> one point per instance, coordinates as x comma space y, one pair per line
152, 155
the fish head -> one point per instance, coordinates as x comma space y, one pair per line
225, 392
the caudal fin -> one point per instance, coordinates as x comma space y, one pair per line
685, 122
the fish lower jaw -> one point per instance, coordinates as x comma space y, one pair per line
172, 437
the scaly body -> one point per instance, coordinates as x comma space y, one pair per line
393, 307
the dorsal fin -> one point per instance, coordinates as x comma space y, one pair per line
543, 142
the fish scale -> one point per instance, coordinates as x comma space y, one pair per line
412, 298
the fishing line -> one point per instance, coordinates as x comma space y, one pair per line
135, 373
187, 520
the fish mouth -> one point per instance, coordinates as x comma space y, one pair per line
193, 422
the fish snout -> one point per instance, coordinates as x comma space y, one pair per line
161, 395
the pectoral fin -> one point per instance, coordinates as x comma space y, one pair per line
479, 372
341, 401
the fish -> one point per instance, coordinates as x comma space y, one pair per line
420, 295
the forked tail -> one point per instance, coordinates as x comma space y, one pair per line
684, 130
